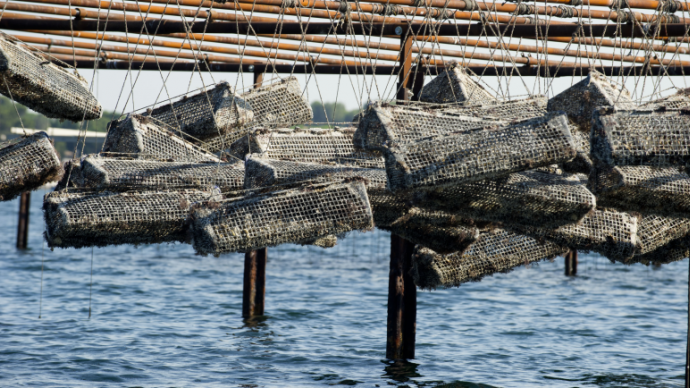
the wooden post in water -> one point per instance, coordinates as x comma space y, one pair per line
254, 287
571, 263
402, 292
23, 225
687, 344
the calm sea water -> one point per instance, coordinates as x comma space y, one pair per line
164, 317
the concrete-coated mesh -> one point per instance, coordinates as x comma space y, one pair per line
140, 137
127, 174
44, 87
484, 154
655, 231
581, 100
494, 251
82, 219
529, 198
648, 190
262, 172
610, 233
218, 111
26, 164
289, 216
437, 230
679, 100
638, 137
454, 85
311, 145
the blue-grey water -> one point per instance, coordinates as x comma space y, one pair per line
164, 317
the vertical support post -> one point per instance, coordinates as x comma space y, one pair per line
571, 263
23, 225
254, 285
687, 346
402, 292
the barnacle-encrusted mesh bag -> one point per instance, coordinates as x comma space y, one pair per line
289, 216
679, 100
610, 233
278, 104
656, 231
484, 154
641, 137
494, 251
216, 112
139, 136
582, 163
454, 85
648, 190
135, 174
261, 172
385, 125
312, 145
42, 86
581, 100
27, 163
675, 250
530, 198
82, 219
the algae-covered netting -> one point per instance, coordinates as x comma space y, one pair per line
26, 164
207, 114
81, 219
141, 137
311, 145
530, 198
37, 83
494, 251
489, 153
287, 216
122, 174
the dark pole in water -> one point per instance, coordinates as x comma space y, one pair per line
687, 345
254, 287
23, 226
571, 263
402, 292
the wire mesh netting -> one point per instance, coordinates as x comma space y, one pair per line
582, 163
216, 112
674, 251
494, 251
648, 190
26, 164
529, 198
477, 155
83, 219
311, 145
289, 216
42, 86
679, 100
454, 85
639, 137
581, 100
261, 172
655, 231
126, 174
608, 232
139, 137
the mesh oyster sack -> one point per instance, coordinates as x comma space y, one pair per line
582, 163
139, 136
648, 190
82, 219
679, 100
581, 100
454, 84
278, 104
207, 114
26, 164
312, 145
639, 137
676, 250
529, 198
494, 251
656, 231
31, 80
119, 174
610, 233
295, 215
478, 155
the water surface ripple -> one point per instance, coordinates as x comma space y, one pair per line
164, 317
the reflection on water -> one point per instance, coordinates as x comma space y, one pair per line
163, 316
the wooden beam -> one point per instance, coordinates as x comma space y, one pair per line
23, 225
